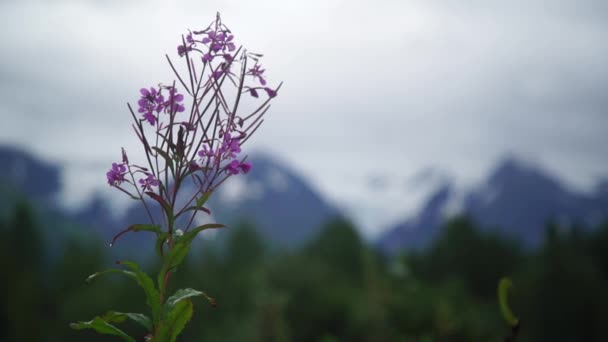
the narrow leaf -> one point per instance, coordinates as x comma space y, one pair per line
504, 286
182, 294
113, 270
176, 321
119, 317
102, 327
147, 284
137, 228
203, 199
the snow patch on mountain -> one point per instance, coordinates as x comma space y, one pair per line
238, 189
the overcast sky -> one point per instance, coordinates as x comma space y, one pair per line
375, 91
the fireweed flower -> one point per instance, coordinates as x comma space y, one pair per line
173, 104
151, 102
148, 182
235, 167
257, 72
192, 132
117, 173
195, 144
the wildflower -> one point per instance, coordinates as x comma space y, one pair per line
270, 92
151, 118
116, 175
206, 152
181, 49
257, 72
230, 147
219, 41
148, 182
233, 167
207, 57
151, 101
245, 167
173, 104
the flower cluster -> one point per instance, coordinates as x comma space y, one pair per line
217, 42
152, 103
228, 151
117, 173
148, 182
205, 146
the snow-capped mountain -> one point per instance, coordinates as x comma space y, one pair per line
283, 206
517, 200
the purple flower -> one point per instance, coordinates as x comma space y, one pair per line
116, 174
270, 92
257, 72
233, 167
148, 182
245, 167
151, 118
230, 148
215, 47
253, 92
181, 49
219, 41
206, 152
151, 101
217, 73
173, 104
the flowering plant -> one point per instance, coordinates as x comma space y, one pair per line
200, 146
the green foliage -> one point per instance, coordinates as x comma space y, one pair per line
334, 289
120, 317
175, 321
103, 327
504, 286
176, 255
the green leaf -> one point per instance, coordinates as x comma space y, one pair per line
102, 327
137, 228
147, 284
175, 321
119, 317
203, 199
112, 270
504, 286
180, 250
182, 294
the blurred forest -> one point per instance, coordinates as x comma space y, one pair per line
335, 288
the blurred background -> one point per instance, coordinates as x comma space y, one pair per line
417, 152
